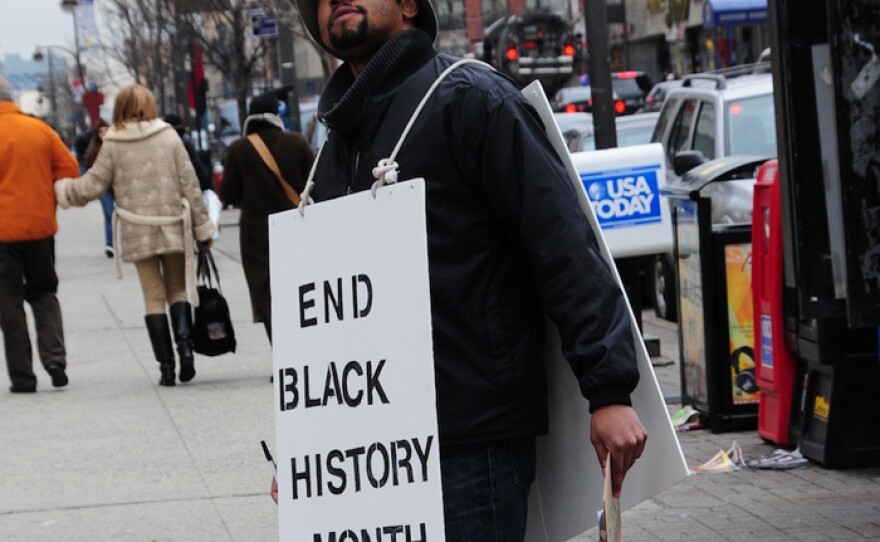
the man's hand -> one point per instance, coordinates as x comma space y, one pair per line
274, 490
617, 429
207, 243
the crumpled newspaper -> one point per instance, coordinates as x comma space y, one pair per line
724, 461
779, 460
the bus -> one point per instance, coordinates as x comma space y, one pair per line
534, 45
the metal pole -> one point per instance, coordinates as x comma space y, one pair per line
179, 71
625, 35
287, 71
80, 109
53, 99
79, 67
197, 121
596, 21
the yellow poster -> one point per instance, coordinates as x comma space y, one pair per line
740, 321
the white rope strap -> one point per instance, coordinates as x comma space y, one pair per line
306, 197
386, 170
185, 218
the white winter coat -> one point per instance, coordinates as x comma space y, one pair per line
149, 171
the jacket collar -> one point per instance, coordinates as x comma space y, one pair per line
342, 104
136, 130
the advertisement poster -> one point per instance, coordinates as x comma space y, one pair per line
693, 336
741, 322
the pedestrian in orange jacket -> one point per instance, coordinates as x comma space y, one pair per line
32, 158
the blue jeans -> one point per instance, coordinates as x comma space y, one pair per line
108, 202
486, 490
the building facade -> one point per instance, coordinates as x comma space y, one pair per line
660, 37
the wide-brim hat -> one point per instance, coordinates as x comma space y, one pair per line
426, 19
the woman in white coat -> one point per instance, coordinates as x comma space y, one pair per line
159, 211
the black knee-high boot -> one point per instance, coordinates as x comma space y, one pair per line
181, 324
160, 337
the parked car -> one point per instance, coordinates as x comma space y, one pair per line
632, 87
710, 116
569, 121
654, 99
579, 99
631, 130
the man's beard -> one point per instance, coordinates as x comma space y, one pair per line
350, 38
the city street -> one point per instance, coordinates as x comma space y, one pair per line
115, 457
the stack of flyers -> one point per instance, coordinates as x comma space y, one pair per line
609, 516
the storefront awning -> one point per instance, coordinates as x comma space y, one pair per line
727, 12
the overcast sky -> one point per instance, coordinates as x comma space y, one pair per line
25, 24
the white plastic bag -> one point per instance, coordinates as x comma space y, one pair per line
213, 204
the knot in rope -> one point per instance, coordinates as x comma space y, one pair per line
384, 173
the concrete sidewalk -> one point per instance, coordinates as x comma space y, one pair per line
115, 457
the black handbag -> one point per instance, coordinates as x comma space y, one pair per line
212, 333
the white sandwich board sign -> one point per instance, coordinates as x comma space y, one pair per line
356, 419
568, 487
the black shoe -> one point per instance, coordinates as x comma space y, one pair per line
23, 389
59, 377
108, 251
167, 378
187, 370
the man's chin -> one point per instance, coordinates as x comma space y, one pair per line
341, 43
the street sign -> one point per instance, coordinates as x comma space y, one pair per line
263, 24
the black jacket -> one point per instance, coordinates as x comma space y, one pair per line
506, 238
249, 183
203, 174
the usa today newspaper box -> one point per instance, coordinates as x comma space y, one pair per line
711, 215
623, 186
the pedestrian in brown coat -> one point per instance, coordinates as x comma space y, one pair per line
249, 183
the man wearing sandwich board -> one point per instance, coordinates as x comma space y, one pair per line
506, 240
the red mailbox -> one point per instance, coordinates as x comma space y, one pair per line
774, 363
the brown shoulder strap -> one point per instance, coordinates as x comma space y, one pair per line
267, 157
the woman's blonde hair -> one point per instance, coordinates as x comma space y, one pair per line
133, 103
